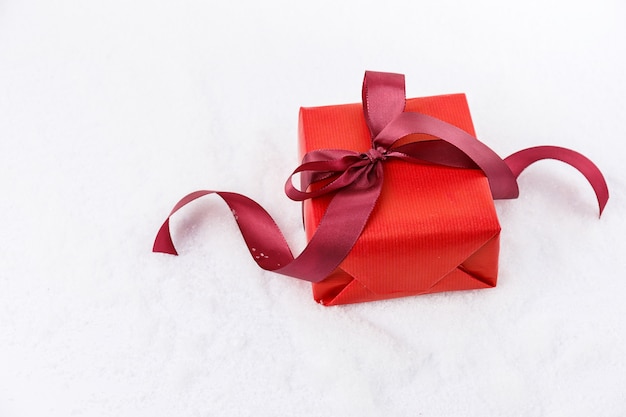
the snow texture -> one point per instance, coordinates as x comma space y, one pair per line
111, 111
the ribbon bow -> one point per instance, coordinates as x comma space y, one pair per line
356, 180
383, 105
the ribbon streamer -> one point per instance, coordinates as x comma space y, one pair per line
356, 179
520, 160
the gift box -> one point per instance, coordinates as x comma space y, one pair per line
398, 198
434, 228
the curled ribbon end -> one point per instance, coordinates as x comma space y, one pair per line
522, 159
163, 241
602, 200
601, 189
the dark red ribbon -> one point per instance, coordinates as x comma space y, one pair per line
356, 180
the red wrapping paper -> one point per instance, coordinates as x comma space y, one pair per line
433, 229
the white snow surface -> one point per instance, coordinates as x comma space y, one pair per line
110, 111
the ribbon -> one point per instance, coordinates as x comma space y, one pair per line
520, 160
355, 180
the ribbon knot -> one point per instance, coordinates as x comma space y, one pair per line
331, 170
375, 154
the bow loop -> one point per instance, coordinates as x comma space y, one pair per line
384, 98
346, 169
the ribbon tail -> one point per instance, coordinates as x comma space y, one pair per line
501, 180
335, 236
163, 241
264, 239
520, 160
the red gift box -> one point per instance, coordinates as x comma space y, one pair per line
434, 228
398, 198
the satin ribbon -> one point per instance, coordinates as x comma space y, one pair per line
356, 179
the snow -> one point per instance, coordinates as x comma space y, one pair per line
112, 111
